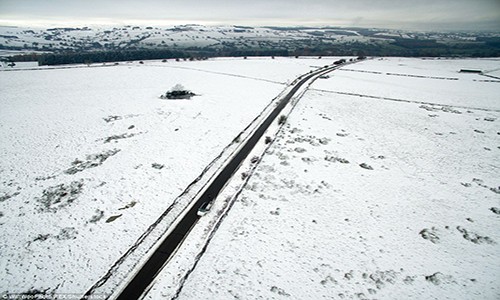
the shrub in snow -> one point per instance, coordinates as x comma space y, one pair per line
157, 166
300, 150
366, 166
178, 92
339, 62
113, 218
336, 159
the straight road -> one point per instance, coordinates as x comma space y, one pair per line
150, 269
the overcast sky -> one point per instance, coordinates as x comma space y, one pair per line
400, 14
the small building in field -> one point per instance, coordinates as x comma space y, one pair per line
471, 71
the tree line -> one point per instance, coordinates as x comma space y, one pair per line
105, 56
89, 57
398, 48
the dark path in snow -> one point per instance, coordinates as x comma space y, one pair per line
143, 278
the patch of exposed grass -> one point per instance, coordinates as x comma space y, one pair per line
282, 119
59, 196
91, 161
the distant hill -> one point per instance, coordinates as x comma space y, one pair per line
198, 40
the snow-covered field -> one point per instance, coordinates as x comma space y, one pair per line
435, 81
91, 157
379, 186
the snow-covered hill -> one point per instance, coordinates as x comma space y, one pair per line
213, 37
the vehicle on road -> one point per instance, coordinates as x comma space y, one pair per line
204, 208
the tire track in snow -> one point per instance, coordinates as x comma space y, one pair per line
221, 73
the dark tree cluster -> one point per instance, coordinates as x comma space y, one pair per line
178, 92
88, 57
178, 95
106, 56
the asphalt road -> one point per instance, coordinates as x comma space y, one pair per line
148, 272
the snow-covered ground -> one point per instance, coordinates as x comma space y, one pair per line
427, 80
91, 157
379, 186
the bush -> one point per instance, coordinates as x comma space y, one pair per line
178, 92
339, 62
282, 120
268, 140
